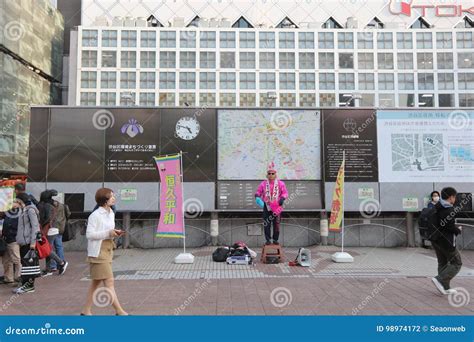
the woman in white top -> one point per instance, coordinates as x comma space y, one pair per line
100, 245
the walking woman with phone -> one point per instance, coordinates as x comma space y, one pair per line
100, 234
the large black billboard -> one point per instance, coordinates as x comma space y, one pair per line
355, 132
130, 145
193, 131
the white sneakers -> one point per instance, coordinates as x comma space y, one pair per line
441, 289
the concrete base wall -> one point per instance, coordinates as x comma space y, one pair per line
295, 232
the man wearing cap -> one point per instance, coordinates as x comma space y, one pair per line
271, 195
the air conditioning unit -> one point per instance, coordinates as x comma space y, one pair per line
101, 21
272, 95
117, 21
141, 22
352, 23
129, 22
178, 22
225, 23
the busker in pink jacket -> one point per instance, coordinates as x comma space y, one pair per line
271, 195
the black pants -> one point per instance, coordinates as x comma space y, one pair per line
269, 219
449, 262
26, 281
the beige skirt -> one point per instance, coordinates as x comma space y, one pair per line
101, 267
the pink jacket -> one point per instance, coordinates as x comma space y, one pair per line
283, 193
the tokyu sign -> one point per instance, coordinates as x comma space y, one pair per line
398, 7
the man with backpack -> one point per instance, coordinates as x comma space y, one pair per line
444, 241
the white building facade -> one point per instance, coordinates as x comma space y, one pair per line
273, 54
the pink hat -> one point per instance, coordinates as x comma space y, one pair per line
271, 167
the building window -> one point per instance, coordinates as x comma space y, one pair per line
405, 60
424, 60
306, 40
445, 60
425, 81
167, 99
327, 81
187, 98
306, 60
384, 40
466, 100
425, 100
287, 60
307, 81
242, 23
109, 39
88, 79
108, 79
385, 60
168, 39
366, 60
247, 40
127, 99
307, 100
227, 80
228, 60
247, 80
88, 99
207, 80
466, 60
446, 100
167, 59
365, 40
107, 99
128, 59
207, 99
227, 40
247, 60
266, 40
346, 81
147, 99
445, 81
187, 59
287, 81
187, 80
128, 80
90, 38
167, 80
326, 40
207, 60
464, 40
109, 59
267, 60
404, 40
147, 80
366, 81
326, 60
247, 99
148, 39
327, 100
386, 82
286, 40
187, 39
424, 40
208, 40
406, 100
227, 100
406, 81
129, 38
287, 100
386, 100
466, 81
346, 60
345, 40
147, 59
444, 40
367, 100
346, 100
89, 59
267, 80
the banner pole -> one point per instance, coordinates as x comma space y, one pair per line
182, 191
343, 195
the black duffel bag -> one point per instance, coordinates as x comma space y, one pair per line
221, 254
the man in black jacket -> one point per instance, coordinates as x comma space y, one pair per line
449, 259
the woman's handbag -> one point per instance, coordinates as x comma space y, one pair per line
30, 265
42, 246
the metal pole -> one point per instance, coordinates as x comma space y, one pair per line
182, 192
343, 195
410, 230
126, 226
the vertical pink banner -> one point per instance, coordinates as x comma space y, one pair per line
171, 197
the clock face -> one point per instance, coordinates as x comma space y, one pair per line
187, 128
